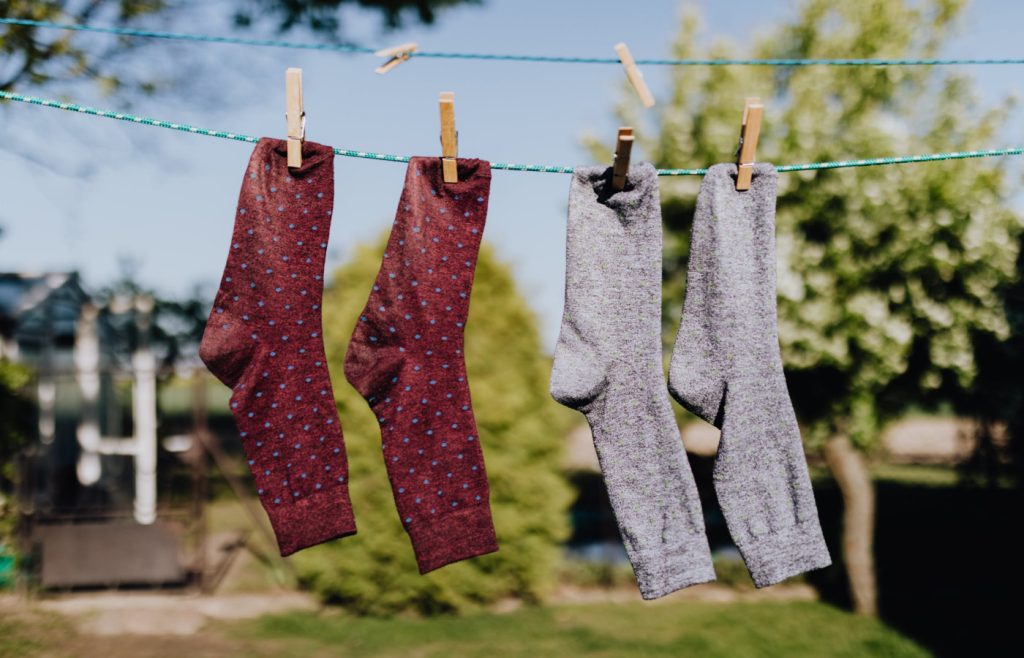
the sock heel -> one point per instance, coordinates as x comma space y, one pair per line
225, 350
576, 380
698, 394
372, 370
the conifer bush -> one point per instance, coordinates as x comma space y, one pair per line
522, 431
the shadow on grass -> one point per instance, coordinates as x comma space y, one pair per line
946, 555
947, 564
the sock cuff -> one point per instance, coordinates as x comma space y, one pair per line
269, 149
663, 572
592, 198
641, 182
474, 176
777, 556
455, 536
312, 520
725, 174
607, 228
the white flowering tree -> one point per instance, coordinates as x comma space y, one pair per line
885, 273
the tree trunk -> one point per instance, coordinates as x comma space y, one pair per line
851, 473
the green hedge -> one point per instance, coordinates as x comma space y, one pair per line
522, 431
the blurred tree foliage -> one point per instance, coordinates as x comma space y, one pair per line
522, 432
321, 16
17, 414
887, 275
35, 56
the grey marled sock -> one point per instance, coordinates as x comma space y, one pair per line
608, 366
727, 369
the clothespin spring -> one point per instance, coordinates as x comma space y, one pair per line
302, 127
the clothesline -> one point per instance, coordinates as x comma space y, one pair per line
550, 59
548, 169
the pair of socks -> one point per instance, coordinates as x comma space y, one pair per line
725, 368
264, 339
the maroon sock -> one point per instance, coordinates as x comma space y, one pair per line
406, 359
264, 340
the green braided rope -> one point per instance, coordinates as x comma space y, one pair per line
123, 116
548, 169
869, 162
902, 159
276, 43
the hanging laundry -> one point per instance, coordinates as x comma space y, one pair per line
406, 358
726, 368
264, 340
608, 365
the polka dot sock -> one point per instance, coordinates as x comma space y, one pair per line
264, 340
406, 359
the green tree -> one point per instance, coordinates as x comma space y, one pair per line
521, 432
36, 56
322, 15
16, 416
886, 274
998, 396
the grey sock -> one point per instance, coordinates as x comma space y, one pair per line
727, 369
608, 365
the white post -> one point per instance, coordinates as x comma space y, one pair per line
144, 415
87, 364
46, 385
46, 390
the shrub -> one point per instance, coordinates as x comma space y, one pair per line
521, 431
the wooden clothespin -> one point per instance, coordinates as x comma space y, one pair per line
620, 167
397, 55
295, 115
636, 77
746, 154
449, 138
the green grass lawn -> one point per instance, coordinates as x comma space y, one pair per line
704, 630
29, 634
612, 630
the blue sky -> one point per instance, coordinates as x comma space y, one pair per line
83, 193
